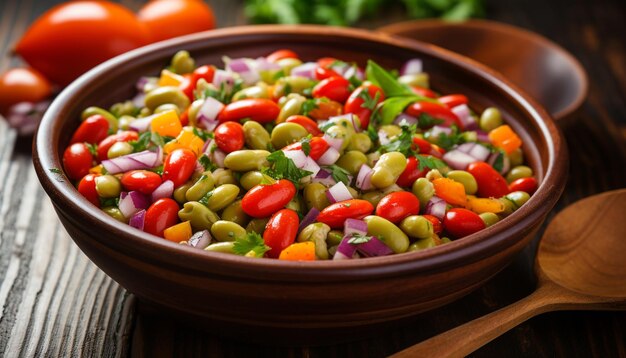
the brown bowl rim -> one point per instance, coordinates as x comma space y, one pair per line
469, 249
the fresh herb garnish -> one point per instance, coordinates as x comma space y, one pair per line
306, 145
158, 170
205, 199
104, 202
369, 102
372, 133
58, 172
282, 167
93, 149
278, 74
147, 140
339, 174
206, 163
447, 141
202, 134
430, 162
308, 106
357, 239
425, 120
403, 143
498, 163
326, 125
224, 94
250, 243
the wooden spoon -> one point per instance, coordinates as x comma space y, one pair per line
581, 265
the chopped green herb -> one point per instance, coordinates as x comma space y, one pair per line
205, 199
425, 120
372, 133
206, 163
109, 202
93, 149
306, 145
308, 106
224, 94
403, 143
251, 242
58, 172
357, 239
147, 140
498, 163
326, 125
339, 174
278, 74
158, 170
202, 134
447, 141
430, 162
282, 167
369, 102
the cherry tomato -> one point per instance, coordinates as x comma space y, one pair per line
162, 214
280, 231
184, 117
22, 85
73, 37
87, 188
326, 109
411, 173
172, 18
263, 200
229, 136
77, 160
334, 88
423, 145
308, 124
397, 206
460, 222
143, 181
318, 147
363, 101
92, 130
178, 166
336, 214
453, 100
437, 227
280, 54
326, 62
490, 183
421, 91
187, 86
436, 111
322, 73
205, 72
257, 109
107, 143
528, 185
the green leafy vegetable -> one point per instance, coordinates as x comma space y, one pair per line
251, 243
206, 163
339, 174
306, 145
447, 141
282, 167
204, 135
147, 140
430, 162
383, 79
93, 149
224, 94
369, 102
403, 143
425, 120
308, 106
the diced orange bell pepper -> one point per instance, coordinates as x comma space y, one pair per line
484, 205
505, 138
96, 170
185, 139
179, 232
301, 251
169, 78
167, 124
451, 191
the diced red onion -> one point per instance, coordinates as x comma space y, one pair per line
324, 177
462, 111
458, 160
330, 156
134, 161
436, 207
139, 100
374, 247
305, 70
406, 119
482, 136
340, 67
354, 71
436, 130
137, 220
354, 226
309, 218
338, 192
218, 157
242, 66
333, 142
466, 147
506, 163
142, 124
311, 166
364, 178
382, 138
132, 202
165, 190
141, 83
208, 145
200, 240
225, 77
207, 114
480, 152
262, 64
297, 156
412, 67
345, 250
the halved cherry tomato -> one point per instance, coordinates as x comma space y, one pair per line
22, 85
143, 181
107, 143
318, 147
257, 109
280, 231
77, 160
308, 124
437, 227
178, 166
87, 188
280, 54
326, 109
334, 88
411, 173
92, 130
263, 200
421, 91
322, 73
162, 214
460, 222
528, 185
453, 100
490, 183
336, 214
363, 101
229, 136
436, 111
397, 206
172, 18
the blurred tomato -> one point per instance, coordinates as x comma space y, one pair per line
22, 85
171, 18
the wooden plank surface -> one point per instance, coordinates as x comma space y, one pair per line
55, 302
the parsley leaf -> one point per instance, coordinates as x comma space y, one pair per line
93, 149
339, 174
204, 135
250, 243
306, 145
403, 143
425, 120
104, 202
158, 170
308, 106
224, 94
147, 140
206, 163
447, 141
430, 162
372, 133
369, 102
498, 163
282, 167
357, 239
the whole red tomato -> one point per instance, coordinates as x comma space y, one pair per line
334, 88
172, 18
257, 109
460, 222
162, 214
336, 214
87, 188
77, 160
178, 166
453, 100
363, 101
281, 54
397, 206
229, 136
92, 130
318, 147
437, 227
308, 124
490, 183
280, 231
264, 200
107, 143
436, 111
425, 92
73, 37
143, 181
22, 85
411, 173
528, 185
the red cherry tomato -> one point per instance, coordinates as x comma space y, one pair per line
326, 62
280, 231
205, 72
528, 185
308, 124
437, 227
92, 130
229, 136
334, 88
397, 206
490, 183
187, 86
280, 54
423, 145
336, 214
22, 85
143, 181
77, 160
107, 143
172, 18
453, 100
162, 214
326, 109
358, 105
257, 109
411, 173
87, 188
460, 222
73, 37
436, 111
263, 200
322, 73
178, 166
421, 91
318, 147
184, 117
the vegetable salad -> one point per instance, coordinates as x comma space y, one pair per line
279, 158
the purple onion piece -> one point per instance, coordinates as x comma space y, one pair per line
345, 250
134, 161
374, 247
330, 156
311, 166
458, 160
309, 218
165, 190
200, 240
137, 220
412, 67
132, 202
407, 119
436, 207
354, 226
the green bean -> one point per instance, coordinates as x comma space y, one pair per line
334, 237
287, 133
352, 161
423, 244
115, 213
166, 94
490, 119
124, 122
257, 225
360, 142
317, 233
295, 204
119, 149
224, 247
417, 227
419, 79
108, 186
221, 197
290, 85
258, 91
388, 168
194, 108
291, 107
489, 218
126, 108
387, 232
180, 193
166, 107
423, 189
199, 216
182, 63
235, 213
465, 178
315, 196
340, 132
256, 136
202, 186
518, 172
373, 197
390, 130
224, 176
246, 160
516, 157
288, 63
223, 230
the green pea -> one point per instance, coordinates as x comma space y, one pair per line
166, 94
235, 213
315, 196
224, 176
126, 108
417, 227
424, 190
115, 213
224, 247
373, 197
166, 107
342, 133
465, 178
388, 168
360, 142
257, 225
291, 107
256, 136
246, 160
334, 237
119, 149
317, 233
258, 91
287, 133
180, 193
108, 186
183, 63
518, 198
390, 130
388, 233
518, 172
199, 216
418, 79
90, 111
423, 244
223, 230
516, 157
288, 63
489, 218
490, 119
352, 161
202, 186
222, 196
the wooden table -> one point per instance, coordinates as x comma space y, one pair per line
55, 302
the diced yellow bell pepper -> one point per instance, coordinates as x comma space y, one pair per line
179, 232
96, 170
505, 138
484, 205
169, 78
167, 124
186, 139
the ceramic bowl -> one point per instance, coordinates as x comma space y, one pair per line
309, 299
